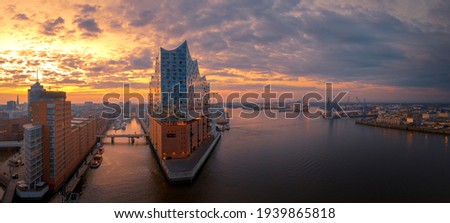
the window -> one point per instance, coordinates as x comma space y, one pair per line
171, 135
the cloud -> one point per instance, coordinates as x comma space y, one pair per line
71, 81
88, 26
144, 18
52, 27
396, 44
20, 16
141, 59
86, 8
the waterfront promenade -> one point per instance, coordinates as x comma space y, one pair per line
404, 127
62, 196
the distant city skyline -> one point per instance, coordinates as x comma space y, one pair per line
383, 51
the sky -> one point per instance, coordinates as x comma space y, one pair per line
383, 51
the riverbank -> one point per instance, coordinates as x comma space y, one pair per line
404, 127
63, 195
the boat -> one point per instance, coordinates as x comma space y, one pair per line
227, 127
96, 161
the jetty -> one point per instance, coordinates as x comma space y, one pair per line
185, 170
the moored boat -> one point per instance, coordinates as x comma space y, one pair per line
96, 161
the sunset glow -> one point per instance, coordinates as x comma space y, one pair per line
392, 52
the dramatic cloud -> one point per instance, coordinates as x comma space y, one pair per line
20, 16
52, 27
89, 27
367, 47
85, 9
141, 60
144, 18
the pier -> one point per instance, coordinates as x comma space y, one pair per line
185, 170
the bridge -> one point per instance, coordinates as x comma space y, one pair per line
9, 144
131, 137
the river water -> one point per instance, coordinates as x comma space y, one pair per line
284, 160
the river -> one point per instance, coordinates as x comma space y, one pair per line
284, 160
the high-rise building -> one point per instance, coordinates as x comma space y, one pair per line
180, 96
32, 142
33, 187
34, 94
177, 85
54, 114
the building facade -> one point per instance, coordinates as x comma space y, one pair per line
66, 141
34, 94
178, 104
11, 128
33, 157
55, 117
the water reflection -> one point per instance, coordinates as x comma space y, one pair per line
265, 160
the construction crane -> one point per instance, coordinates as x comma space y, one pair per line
348, 103
364, 106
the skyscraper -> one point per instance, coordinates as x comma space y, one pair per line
177, 85
54, 113
34, 186
55, 145
32, 142
34, 94
180, 95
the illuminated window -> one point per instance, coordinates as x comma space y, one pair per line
171, 135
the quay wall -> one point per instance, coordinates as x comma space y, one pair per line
405, 127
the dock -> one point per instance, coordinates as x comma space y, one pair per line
185, 170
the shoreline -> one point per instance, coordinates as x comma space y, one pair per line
404, 127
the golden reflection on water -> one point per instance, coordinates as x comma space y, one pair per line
446, 143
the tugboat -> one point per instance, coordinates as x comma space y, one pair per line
96, 161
